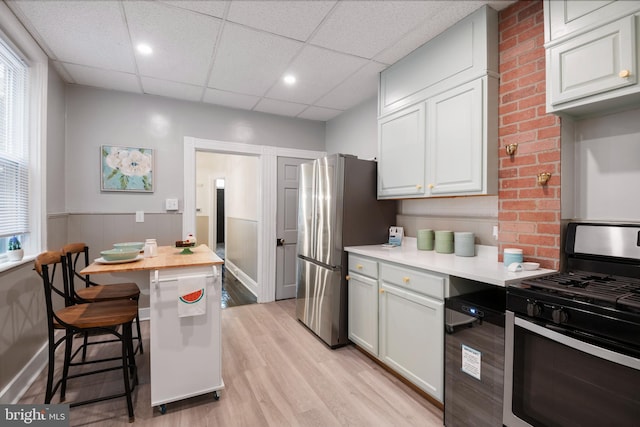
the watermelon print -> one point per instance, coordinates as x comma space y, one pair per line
193, 297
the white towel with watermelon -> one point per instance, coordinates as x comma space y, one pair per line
192, 298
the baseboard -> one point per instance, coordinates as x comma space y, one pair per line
18, 386
246, 281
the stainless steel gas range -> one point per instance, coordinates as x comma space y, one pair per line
572, 339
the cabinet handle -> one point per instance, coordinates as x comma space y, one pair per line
431, 186
359, 266
624, 74
419, 187
348, 277
405, 279
382, 291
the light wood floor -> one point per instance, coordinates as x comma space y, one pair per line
276, 373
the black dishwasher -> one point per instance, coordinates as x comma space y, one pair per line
474, 358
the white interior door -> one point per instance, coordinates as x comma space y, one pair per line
287, 227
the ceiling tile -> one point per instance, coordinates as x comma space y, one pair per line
295, 19
169, 89
317, 71
318, 113
357, 88
364, 28
182, 41
208, 7
230, 99
67, 30
281, 108
97, 77
250, 61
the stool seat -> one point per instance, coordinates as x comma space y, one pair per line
118, 291
98, 314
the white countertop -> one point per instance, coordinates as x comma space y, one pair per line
484, 267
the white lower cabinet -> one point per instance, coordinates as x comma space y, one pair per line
411, 337
396, 313
363, 312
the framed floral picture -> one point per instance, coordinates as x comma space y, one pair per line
126, 169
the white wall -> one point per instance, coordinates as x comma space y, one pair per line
607, 168
98, 117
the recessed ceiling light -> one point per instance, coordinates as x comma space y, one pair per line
289, 79
144, 49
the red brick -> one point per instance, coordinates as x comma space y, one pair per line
517, 94
537, 239
522, 227
549, 205
507, 194
516, 160
532, 101
533, 78
507, 216
538, 123
549, 156
516, 183
535, 192
507, 130
549, 132
508, 173
529, 9
518, 49
533, 171
518, 116
537, 216
518, 205
548, 252
518, 138
508, 44
508, 237
517, 72
549, 229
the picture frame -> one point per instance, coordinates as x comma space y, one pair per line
126, 169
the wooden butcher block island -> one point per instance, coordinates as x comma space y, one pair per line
184, 315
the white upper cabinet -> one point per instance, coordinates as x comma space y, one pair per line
465, 51
438, 115
401, 145
592, 55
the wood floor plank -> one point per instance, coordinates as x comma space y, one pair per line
276, 374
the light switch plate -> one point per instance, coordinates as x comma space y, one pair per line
139, 216
171, 204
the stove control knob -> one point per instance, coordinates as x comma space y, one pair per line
559, 316
533, 309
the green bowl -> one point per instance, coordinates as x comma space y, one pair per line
119, 254
129, 245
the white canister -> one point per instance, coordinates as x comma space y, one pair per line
150, 248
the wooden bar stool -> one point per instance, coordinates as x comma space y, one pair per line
106, 317
94, 292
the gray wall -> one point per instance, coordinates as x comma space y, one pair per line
355, 131
98, 117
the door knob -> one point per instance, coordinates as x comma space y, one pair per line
279, 242
624, 74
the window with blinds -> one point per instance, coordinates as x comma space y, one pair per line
14, 146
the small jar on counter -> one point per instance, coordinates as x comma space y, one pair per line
150, 248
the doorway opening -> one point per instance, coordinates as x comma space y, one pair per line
226, 203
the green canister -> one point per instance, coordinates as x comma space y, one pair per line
425, 240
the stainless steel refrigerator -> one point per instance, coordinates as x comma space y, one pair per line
338, 207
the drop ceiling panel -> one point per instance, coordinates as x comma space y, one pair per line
295, 19
317, 71
211, 8
250, 61
96, 77
360, 86
67, 31
230, 99
365, 28
319, 113
171, 89
182, 41
282, 108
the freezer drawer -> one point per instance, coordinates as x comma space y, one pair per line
322, 301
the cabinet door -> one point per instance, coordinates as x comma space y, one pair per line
412, 337
401, 162
363, 312
456, 140
566, 16
595, 62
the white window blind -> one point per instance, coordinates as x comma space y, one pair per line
14, 146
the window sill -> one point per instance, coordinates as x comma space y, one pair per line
9, 265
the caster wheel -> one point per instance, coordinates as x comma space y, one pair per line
216, 396
163, 409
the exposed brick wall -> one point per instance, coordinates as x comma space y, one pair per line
529, 214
